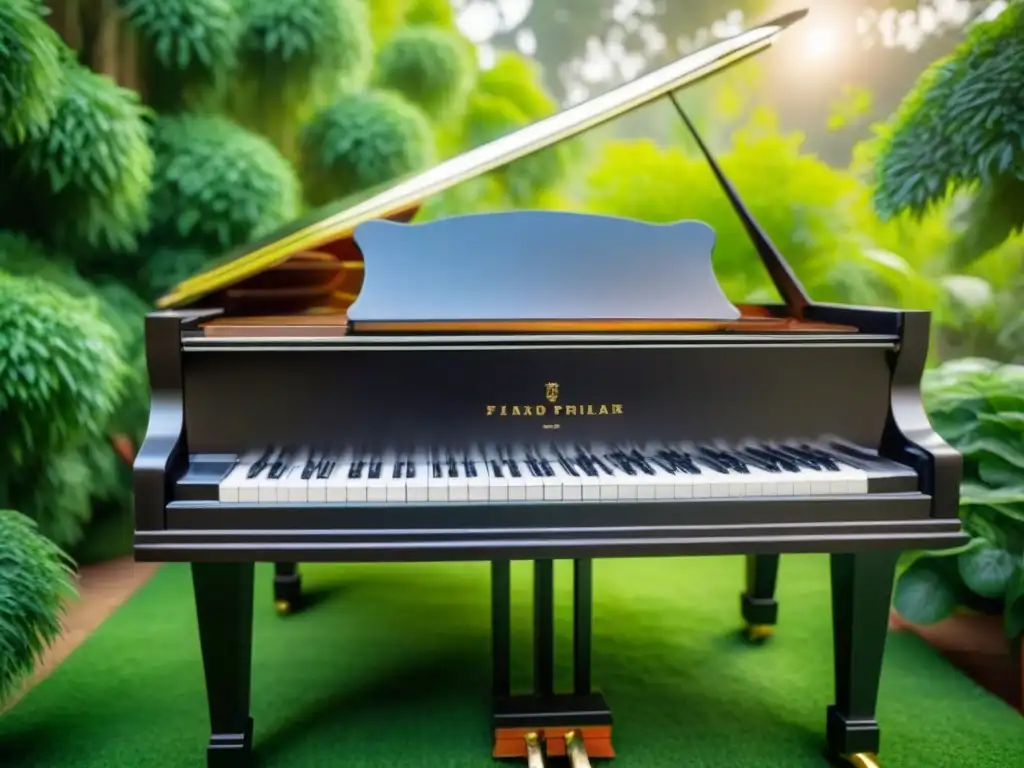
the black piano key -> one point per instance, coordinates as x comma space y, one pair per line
726, 458
664, 463
398, 470
355, 470
767, 465
495, 468
782, 461
410, 467
281, 464
682, 461
641, 461
794, 459
325, 468
376, 465
311, 464
261, 463
436, 467
620, 460
825, 461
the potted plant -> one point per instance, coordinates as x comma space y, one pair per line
969, 601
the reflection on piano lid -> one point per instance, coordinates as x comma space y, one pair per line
302, 279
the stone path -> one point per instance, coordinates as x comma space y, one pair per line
102, 588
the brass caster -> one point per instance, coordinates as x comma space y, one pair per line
575, 750
283, 607
534, 755
862, 760
757, 633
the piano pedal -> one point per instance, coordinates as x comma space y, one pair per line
575, 750
534, 753
283, 607
862, 760
758, 633
551, 720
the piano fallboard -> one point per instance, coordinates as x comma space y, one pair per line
240, 396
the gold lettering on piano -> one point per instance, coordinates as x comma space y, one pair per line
551, 394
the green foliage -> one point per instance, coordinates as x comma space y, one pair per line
518, 80
166, 267
35, 579
217, 185
83, 183
809, 209
427, 65
978, 407
60, 371
189, 48
30, 60
360, 141
431, 12
966, 116
296, 55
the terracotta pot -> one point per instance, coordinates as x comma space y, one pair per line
977, 645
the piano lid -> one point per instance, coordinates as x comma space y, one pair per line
401, 199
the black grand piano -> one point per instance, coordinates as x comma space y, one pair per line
533, 385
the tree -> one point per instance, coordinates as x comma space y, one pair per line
139, 140
966, 116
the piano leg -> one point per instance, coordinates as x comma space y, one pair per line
223, 594
287, 588
861, 592
757, 603
556, 721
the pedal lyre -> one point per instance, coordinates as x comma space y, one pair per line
575, 750
534, 754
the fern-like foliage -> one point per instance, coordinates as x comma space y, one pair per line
189, 48
428, 65
297, 55
31, 75
962, 128
360, 141
61, 373
83, 183
35, 579
216, 184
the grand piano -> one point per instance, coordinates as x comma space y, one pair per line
533, 385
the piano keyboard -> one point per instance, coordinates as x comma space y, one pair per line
553, 472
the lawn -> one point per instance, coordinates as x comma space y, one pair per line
390, 668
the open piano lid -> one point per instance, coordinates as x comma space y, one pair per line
326, 233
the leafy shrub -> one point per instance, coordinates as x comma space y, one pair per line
60, 370
360, 141
965, 115
427, 65
518, 80
216, 185
189, 47
83, 184
35, 578
978, 407
431, 12
296, 55
30, 59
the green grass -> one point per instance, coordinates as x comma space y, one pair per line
390, 669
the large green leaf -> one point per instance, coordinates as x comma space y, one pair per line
1013, 611
928, 590
987, 570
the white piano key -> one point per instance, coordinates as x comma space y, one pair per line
551, 485
394, 487
497, 474
533, 484
417, 487
316, 488
437, 480
337, 484
268, 485
356, 478
571, 484
377, 487
479, 484
683, 483
292, 488
660, 485
228, 488
845, 479
516, 481
455, 471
